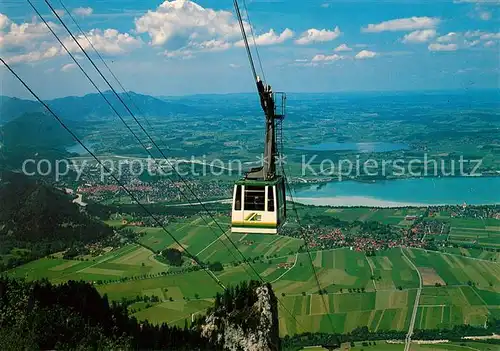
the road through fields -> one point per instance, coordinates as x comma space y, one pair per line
415, 305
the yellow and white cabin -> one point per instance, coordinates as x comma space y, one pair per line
258, 206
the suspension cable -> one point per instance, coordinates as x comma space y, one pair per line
136, 121
283, 170
104, 62
252, 66
245, 39
304, 237
123, 121
142, 128
254, 41
129, 192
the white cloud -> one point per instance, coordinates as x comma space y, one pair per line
31, 42
34, 56
450, 37
306, 63
83, 11
108, 41
342, 48
25, 35
233, 65
480, 12
365, 54
442, 47
419, 36
212, 45
4, 21
474, 33
482, 35
318, 60
455, 40
489, 43
314, 35
270, 38
320, 57
60, 12
184, 54
68, 67
485, 15
185, 28
403, 24
184, 21
489, 36
188, 52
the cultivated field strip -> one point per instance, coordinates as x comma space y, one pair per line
374, 291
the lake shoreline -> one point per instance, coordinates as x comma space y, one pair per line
355, 201
417, 192
362, 201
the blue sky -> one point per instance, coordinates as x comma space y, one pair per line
180, 47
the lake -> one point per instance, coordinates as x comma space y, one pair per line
415, 191
357, 147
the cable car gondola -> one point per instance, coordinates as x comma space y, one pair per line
259, 199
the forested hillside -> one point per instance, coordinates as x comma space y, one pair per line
35, 135
74, 316
41, 220
11, 108
35, 130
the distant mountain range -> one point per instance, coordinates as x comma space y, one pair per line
92, 106
27, 129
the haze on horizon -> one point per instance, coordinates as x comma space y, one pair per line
182, 47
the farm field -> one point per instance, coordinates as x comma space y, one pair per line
449, 346
178, 311
364, 214
384, 346
373, 291
129, 261
193, 233
207, 241
252, 246
377, 310
484, 232
391, 271
456, 270
336, 269
442, 307
474, 253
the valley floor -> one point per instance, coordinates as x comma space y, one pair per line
374, 291
430, 346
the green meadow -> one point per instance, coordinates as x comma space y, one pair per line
393, 216
376, 291
477, 232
